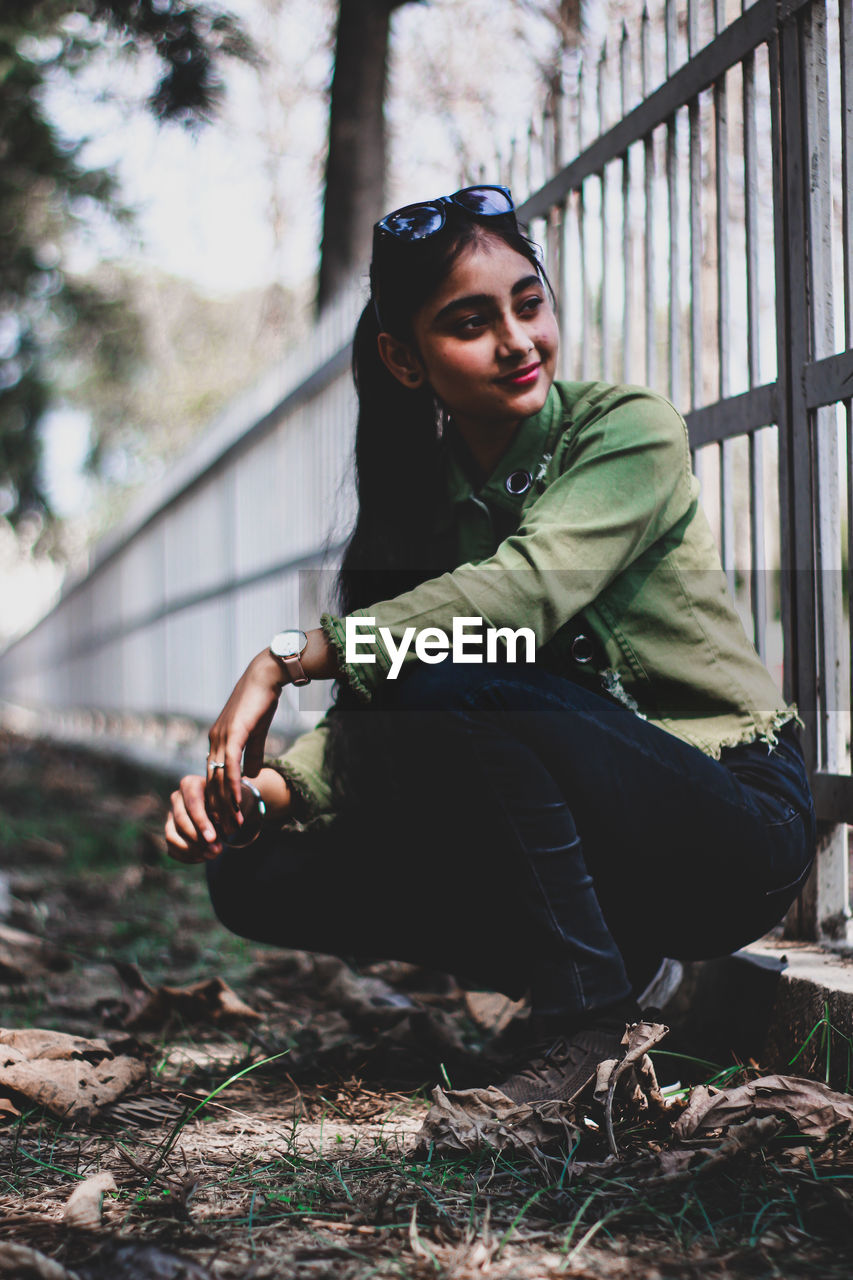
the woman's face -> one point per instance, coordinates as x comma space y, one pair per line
487, 339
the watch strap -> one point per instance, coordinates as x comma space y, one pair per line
294, 668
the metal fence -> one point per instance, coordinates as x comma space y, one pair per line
180, 596
700, 240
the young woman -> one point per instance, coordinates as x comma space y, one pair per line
618, 781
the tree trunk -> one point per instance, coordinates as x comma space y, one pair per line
355, 165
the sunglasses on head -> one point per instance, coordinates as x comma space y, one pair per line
419, 221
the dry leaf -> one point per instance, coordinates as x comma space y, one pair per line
70, 1076
20, 1263
23, 955
676, 1165
26, 1043
362, 996
474, 1119
634, 1071
813, 1108
210, 1000
638, 1040
491, 1010
8, 1109
84, 1206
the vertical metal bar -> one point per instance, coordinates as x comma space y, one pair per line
845, 40
756, 438
559, 109
692, 27
571, 358
554, 255
833, 885
548, 135
828, 526
557, 214
695, 187
695, 201
750, 167
695, 166
845, 29
564, 109
670, 37
552, 163
674, 344
649, 193
584, 285
819, 902
627, 256
585, 307
721, 176
562, 286
604, 309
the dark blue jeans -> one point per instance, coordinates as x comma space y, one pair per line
515, 828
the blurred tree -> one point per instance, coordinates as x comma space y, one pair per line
354, 195
356, 160
46, 188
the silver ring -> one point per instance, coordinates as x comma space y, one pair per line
216, 764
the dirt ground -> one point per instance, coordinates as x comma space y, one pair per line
269, 1121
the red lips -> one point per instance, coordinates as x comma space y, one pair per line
522, 377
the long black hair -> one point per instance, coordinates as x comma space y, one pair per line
400, 446
400, 461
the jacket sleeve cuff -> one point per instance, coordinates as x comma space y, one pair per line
302, 767
362, 677
308, 796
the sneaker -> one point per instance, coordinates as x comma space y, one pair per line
562, 1069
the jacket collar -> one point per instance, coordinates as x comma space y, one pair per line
533, 440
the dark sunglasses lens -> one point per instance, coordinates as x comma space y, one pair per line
486, 201
415, 222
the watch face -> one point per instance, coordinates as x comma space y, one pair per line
288, 644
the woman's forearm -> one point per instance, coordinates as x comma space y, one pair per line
319, 660
275, 794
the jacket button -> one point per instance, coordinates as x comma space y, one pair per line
518, 482
582, 650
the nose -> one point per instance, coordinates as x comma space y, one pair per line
513, 338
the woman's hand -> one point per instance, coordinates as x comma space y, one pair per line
237, 738
190, 832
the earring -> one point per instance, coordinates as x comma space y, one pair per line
414, 377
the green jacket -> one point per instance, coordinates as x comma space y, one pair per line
610, 541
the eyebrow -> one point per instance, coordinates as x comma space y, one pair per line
483, 299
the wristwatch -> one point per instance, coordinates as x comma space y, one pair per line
288, 647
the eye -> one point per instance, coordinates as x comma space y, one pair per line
470, 324
528, 306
